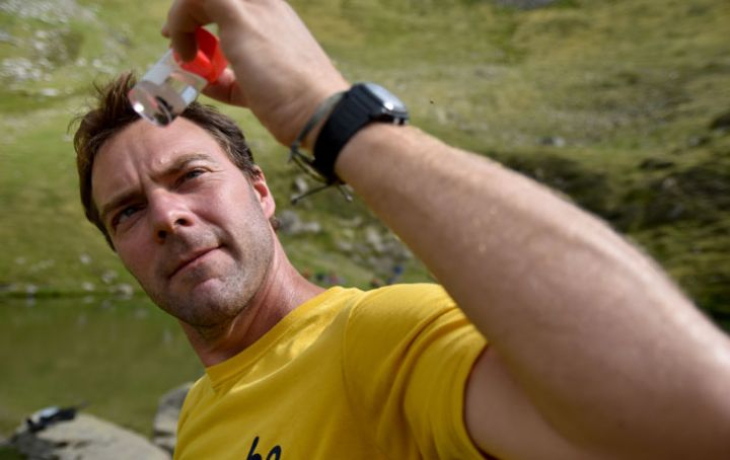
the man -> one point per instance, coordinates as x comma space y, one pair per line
592, 352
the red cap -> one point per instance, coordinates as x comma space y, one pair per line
209, 63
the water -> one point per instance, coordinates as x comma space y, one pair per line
165, 91
119, 356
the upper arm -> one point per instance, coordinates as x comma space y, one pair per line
503, 422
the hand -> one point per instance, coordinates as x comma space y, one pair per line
279, 70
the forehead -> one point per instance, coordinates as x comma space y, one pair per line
142, 149
143, 141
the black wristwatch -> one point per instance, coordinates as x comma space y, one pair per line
360, 105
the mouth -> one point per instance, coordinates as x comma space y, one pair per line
189, 259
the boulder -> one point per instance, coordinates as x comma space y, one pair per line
168, 412
84, 437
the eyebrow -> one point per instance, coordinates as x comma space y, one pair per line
175, 168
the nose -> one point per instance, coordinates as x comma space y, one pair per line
169, 214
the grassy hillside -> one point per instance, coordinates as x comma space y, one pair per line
621, 105
610, 102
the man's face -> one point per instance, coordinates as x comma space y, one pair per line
186, 222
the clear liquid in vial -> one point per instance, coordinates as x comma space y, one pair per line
165, 90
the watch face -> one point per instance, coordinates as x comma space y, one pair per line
390, 102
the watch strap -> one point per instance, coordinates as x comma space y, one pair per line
350, 115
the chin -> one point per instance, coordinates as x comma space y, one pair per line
208, 304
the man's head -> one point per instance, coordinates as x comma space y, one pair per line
114, 112
184, 206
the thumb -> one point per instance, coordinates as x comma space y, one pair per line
226, 89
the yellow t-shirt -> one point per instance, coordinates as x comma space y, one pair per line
347, 375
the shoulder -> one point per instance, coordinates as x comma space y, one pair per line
401, 316
406, 296
193, 397
402, 304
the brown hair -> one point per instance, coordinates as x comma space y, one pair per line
113, 113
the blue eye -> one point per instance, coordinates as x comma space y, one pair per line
193, 174
124, 214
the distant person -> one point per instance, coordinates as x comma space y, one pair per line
592, 352
396, 273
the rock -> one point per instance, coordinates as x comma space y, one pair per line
525, 4
168, 412
5, 37
344, 246
84, 437
123, 290
552, 141
374, 239
292, 224
299, 185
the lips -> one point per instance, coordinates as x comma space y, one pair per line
188, 259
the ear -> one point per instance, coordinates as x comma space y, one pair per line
265, 198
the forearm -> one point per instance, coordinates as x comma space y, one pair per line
584, 322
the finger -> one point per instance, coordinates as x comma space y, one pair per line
183, 19
226, 89
185, 45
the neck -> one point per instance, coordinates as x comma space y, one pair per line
282, 290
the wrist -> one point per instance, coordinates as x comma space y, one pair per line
362, 104
318, 122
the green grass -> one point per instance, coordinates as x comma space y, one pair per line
624, 91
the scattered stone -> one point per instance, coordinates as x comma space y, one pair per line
21, 69
553, 141
374, 239
7, 38
123, 290
344, 246
49, 11
109, 276
88, 286
300, 185
525, 4
292, 224
168, 412
49, 92
349, 224
84, 437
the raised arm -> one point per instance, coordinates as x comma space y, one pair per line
593, 351
612, 356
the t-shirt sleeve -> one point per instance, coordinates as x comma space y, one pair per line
408, 353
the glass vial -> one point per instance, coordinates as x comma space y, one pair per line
171, 85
